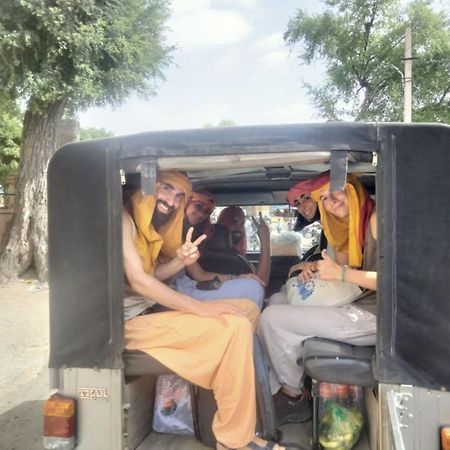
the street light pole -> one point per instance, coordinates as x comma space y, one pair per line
407, 111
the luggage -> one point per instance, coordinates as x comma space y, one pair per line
204, 404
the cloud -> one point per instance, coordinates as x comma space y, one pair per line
208, 27
273, 41
274, 59
207, 114
296, 112
236, 3
180, 7
229, 62
136, 116
270, 50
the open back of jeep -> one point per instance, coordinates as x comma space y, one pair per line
103, 396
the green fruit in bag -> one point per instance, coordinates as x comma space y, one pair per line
340, 427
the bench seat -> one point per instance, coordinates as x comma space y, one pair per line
336, 362
140, 363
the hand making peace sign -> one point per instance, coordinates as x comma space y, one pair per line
262, 230
188, 253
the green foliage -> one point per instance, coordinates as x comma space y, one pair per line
222, 124
226, 123
84, 52
431, 71
94, 133
10, 136
361, 43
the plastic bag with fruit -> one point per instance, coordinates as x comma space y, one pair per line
172, 413
340, 427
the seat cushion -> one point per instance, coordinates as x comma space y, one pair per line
219, 255
220, 240
140, 363
336, 362
227, 263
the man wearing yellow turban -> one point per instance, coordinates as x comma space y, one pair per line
159, 218
207, 343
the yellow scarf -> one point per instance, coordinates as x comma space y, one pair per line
343, 233
150, 243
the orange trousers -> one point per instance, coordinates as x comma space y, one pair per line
210, 354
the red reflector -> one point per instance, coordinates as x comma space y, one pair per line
59, 416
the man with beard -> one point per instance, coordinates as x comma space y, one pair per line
233, 218
207, 343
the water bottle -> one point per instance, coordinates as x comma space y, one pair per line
327, 393
342, 395
356, 396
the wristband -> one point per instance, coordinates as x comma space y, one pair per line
344, 272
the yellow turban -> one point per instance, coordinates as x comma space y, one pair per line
177, 179
347, 234
150, 243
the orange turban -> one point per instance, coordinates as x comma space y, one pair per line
205, 198
307, 186
226, 217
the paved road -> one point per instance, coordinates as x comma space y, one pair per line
23, 364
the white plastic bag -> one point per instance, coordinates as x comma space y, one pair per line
172, 413
316, 292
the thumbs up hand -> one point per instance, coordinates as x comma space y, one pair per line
328, 269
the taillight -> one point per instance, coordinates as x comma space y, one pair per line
445, 438
59, 423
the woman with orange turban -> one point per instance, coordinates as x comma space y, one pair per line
349, 222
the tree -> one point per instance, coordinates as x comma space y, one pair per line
60, 56
94, 133
10, 131
224, 123
361, 43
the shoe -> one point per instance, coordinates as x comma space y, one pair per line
290, 409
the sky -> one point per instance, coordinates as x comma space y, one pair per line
231, 63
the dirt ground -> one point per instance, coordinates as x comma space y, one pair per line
24, 348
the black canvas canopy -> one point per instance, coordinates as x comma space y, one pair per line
412, 185
414, 262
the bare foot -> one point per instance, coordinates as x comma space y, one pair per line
259, 442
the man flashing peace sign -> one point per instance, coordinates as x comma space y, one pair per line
207, 343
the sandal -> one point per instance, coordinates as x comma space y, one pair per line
269, 445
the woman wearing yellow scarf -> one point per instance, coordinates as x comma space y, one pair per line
349, 223
344, 216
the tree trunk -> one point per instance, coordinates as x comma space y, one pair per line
27, 241
367, 102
